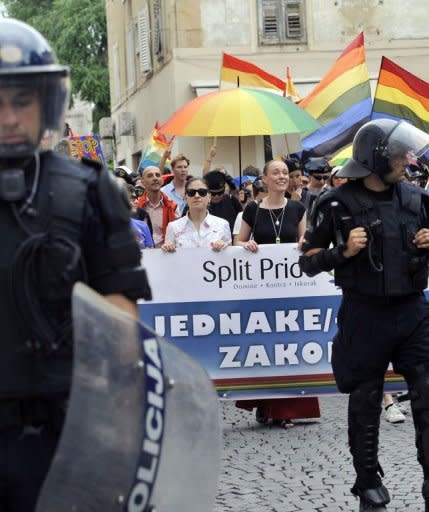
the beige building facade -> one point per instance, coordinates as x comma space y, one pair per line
162, 53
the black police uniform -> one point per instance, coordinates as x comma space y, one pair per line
384, 316
76, 228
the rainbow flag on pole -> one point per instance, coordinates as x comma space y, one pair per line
248, 75
158, 144
401, 95
341, 102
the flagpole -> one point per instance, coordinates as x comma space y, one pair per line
239, 142
378, 80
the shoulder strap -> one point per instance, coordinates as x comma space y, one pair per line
254, 222
353, 198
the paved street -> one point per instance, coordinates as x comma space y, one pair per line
308, 468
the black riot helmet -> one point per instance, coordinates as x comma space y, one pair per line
27, 63
379, 141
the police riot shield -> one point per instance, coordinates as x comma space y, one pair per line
142, 427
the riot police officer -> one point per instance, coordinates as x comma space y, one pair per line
373, 231
61, 221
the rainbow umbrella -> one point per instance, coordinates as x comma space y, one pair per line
239, 112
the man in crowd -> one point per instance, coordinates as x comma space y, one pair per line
378, 225
221, 204
175, 189
158, 205
295, 190
319, 172
62, 221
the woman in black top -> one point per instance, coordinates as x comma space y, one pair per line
276, 219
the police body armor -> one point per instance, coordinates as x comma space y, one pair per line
390, 265
55, 226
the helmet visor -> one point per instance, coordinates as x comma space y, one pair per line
405, 140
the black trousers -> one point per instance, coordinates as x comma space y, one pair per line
373, 332
26, 452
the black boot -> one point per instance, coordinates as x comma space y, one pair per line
374, 500
425, 492
418, 385
364, 422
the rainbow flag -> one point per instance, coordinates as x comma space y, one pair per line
158, 144
401, 95
341, 102
342, 156
290, 89
248, 75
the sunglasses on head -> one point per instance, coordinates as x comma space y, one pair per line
217, 193
320, 177
202, 192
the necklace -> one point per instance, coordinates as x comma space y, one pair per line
273, 215
277, 224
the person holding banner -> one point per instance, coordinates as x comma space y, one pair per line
198, 228
275, 219
374, 232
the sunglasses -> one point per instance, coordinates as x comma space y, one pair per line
319, 177
202, 192
218, 193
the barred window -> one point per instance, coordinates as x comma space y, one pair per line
281, 21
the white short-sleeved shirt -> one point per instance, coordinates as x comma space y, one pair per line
184, 234
237, 223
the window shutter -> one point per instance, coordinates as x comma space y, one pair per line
269, 16
293, 20
144, 41
116, 75
158, 30
131, 70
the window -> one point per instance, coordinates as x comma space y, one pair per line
158, 30
281, 21
144, 41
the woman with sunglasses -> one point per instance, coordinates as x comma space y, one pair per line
198, 228
276, 219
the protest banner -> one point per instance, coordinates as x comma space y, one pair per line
260, 327
87, 146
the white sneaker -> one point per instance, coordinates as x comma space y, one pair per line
393, 415
402, 407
